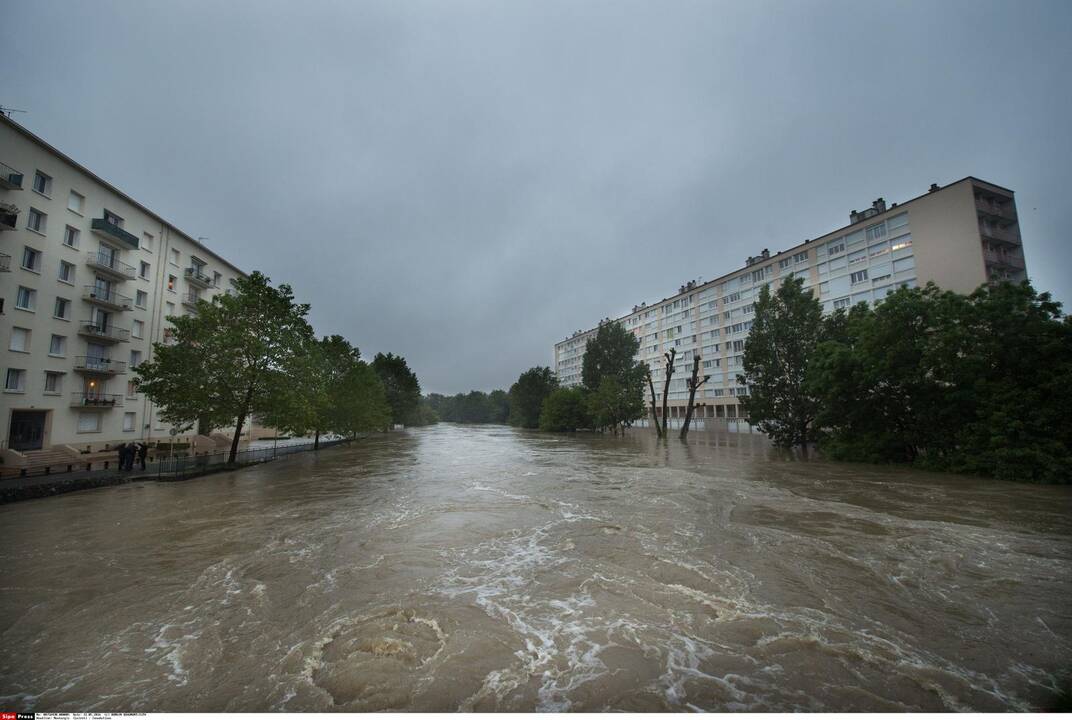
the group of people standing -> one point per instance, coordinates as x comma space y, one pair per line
129, 452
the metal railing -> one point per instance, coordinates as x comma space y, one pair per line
103, 332
110, 263
10, 178
96, 400
5, 262
161, 463
104, 366
195, 275
190, 299
96, 293
1003, 259
1004, 210
114, 232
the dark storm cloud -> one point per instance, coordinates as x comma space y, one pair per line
466, 183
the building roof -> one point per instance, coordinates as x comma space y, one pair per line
82, 168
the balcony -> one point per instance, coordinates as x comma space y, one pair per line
99, 366
107, 333
109, 265
5, 262
190, 300
1007, 260
107, 298
195, 277
1003, 212
10, 178
9, 216
1003, 235
114, 233
96, 400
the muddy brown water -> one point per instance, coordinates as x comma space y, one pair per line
485, 568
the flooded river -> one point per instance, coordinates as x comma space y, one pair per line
484, 568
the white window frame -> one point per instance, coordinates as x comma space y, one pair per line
31, 294
47, 189
81, 204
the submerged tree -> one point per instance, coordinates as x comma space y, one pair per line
786, 329
613, 377
229, 357
527, 396
401, 385
669, 372
654, 412
693, 384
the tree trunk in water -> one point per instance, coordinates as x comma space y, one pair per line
241, 423
316, 441
666, 385
694, 383
654, 414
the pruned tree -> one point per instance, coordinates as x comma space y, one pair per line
654, 412
669, 370
693, 384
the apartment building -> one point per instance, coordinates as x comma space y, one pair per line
959, 236
88, 278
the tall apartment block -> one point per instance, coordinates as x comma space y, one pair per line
959, 236
88, 278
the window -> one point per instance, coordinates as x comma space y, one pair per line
901, 242
757, 275
897, 221
36, 220
132, 388
20, 340
801, 257
31, 259
75, 202
858, 277
169, 309
63, 307
42, 183
137, 329
876, 231
53, 383
112, 218
841, 303
89, 422
783, 263
175, 256
66, 272
70, 236
15, 380
57, 346
26, 298
143, 271
141, 298
835, 248
128, 422
147, 242
171, 281
217, 279
135, 358
738, 345
857, 256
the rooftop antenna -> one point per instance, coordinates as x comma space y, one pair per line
6, 111
201, 239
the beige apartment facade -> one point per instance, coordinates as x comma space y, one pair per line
959, 236
88, 277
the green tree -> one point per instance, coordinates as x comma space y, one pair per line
527, 396
611, 353
311, 387
785, 331
616, 404
360, 402
228, 359
499, 412
565, 410
401, 385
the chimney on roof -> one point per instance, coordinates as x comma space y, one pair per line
766, 253
879, 205
854, 217
934, 187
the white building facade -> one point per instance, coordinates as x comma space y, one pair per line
88, 278
959, 236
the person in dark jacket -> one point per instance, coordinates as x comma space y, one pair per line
143, 451
122, 452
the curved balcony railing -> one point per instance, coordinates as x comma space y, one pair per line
109, 264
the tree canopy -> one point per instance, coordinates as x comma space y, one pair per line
527, 396
401, 386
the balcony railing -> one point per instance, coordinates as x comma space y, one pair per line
110, 265
1004, 210
99, 365
109, 298
10, 178
113, 232
197, 277
95, 400
5, 262
1004, 259
1000, 234
190, 299
9, 216
108, 333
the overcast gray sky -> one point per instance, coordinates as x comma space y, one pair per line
465, 183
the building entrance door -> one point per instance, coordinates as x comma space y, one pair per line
27, 429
